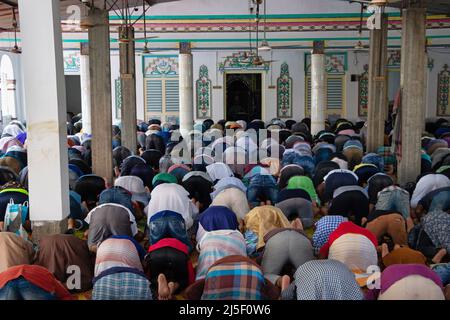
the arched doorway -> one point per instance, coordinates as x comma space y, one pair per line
8, 89
243, 96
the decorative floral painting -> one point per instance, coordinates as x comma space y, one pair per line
284, 93
203, 87
363, 92
443, 100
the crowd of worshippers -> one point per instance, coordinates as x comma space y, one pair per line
316, 218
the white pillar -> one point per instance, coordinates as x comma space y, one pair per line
85, 88
43, 70
318, 88
186, 93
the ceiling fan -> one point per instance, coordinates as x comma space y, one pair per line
253, 57
359, 46
14, 28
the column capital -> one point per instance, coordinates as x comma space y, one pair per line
84, 48
318, 47
185, 47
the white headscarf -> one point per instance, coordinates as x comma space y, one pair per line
173, 197
427, 184
12, 130
218, 171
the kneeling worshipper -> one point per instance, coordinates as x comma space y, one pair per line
169, 268
296, 203
119, 274
401, 255
218, 244
231, 192
216, 218
31, 282
323, 280
258, 222
408, 282
389, 224
285, 247
233, 278
60, 251
14, 251
354, 246
323, 228
107, 220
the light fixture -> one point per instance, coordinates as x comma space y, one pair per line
145, 50
264, 46
379, 3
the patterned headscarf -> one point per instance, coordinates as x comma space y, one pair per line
324, 227
326, 280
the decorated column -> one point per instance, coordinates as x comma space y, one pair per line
378, 86
413, 83
128, 87
186, 89
101, 101
85, 88
318, 88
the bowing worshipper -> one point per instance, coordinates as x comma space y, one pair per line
170, 211
408, 282
427, 184
262, 186
107, 220
119, 274
216, 218
389, 224
394, 198
152, 157
353, 151
31, 282
287, 172
199, 185
217, 244
169, 268
323, 228
350, 201
375, 184
14, 251
57, 253
323, 280
119, 155
89, 187
233, 278
258, 222
285, 248
401, 255
432, 236
438, 199
230, 192
354, 246
296, 203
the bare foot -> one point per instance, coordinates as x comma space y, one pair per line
397, 246
163, 288
285, 282
384, 250
438, 257
173, 287
297, 224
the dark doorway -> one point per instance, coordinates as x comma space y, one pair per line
73, 94
244, 95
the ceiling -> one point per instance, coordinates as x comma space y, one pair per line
6, 7
433, 6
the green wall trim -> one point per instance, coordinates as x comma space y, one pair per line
114, 40
249, 16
